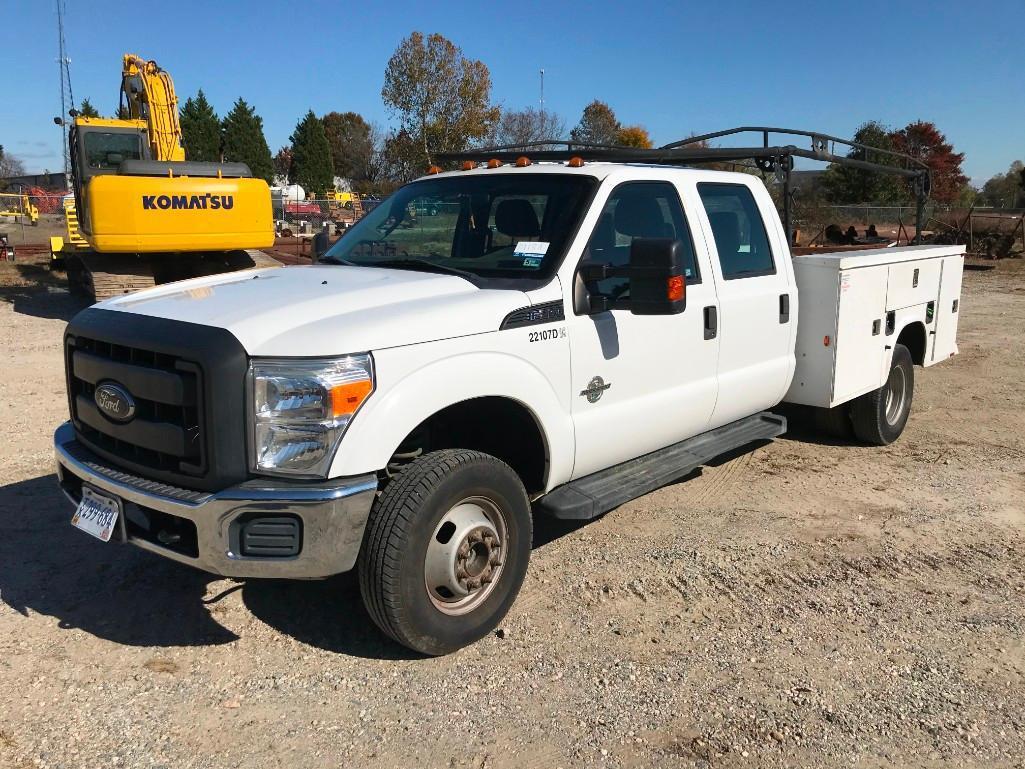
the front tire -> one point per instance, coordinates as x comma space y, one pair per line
445, 550
879, 417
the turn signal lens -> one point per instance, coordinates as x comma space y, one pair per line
346, 398
674, 288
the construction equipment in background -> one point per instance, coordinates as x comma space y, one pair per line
18, 206
142, 214
345, 206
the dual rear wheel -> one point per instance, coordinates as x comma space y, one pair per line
878, 417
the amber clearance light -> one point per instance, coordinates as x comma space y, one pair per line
675, 288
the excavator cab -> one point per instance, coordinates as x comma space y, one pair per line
99, 146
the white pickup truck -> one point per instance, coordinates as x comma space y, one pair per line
560, 337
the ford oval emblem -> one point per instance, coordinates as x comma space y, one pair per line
114, 402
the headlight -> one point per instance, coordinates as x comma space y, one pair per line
301, 409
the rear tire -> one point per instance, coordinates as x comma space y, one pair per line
445, 550
879, 417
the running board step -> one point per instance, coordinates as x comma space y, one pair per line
596, 494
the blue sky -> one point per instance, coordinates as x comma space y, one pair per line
677, 68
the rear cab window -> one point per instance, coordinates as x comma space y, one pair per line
741, 241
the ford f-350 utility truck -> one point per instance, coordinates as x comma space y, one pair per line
560, 336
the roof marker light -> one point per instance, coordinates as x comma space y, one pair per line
575, 162
494, 163
469, 165
522, 161
434, 170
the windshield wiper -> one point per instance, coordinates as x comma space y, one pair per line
335, 260
420, 264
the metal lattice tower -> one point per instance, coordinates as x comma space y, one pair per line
67, 97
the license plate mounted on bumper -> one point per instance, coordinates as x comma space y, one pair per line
97, 513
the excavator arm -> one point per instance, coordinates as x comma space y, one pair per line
147, 92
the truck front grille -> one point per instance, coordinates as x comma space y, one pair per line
186, 382
166, 432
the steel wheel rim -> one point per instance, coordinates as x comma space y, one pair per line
466, 555
896, 394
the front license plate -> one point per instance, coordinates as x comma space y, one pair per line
96, 514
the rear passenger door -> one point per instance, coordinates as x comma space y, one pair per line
754, 322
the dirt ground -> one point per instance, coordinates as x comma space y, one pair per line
808, 604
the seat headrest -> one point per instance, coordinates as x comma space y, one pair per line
639, 216
726, 229
517, 217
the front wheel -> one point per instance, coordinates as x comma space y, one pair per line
879, 417
445, 550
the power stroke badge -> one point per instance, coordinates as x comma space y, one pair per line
595, 388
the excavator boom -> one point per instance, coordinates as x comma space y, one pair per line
148, 93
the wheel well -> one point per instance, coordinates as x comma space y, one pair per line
913, 337
498, 426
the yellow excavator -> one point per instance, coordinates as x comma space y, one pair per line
142, 214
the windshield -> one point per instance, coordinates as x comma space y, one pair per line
104, 150
494, 226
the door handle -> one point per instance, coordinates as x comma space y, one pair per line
711, 322
784, 308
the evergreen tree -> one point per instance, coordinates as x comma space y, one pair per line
312, 167
86, 109
201, 129
244, 142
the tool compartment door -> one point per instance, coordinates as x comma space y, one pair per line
860, 332
912, 283
948, 308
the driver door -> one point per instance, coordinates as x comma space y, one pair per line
641, 382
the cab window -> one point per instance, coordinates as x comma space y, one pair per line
738, 229
104, 150
639, 210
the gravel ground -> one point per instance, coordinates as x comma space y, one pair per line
807, 603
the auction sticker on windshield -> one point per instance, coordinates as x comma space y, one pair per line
531, 252
96, 514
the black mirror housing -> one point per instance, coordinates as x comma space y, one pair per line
658, 285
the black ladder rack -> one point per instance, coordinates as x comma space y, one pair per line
770, 157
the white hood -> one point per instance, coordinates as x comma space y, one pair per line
328, 310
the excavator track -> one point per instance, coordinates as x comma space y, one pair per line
102, 276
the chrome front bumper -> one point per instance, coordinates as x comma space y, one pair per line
333, 515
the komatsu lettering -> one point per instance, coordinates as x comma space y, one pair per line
182, 202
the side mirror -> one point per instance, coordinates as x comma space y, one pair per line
657, 282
